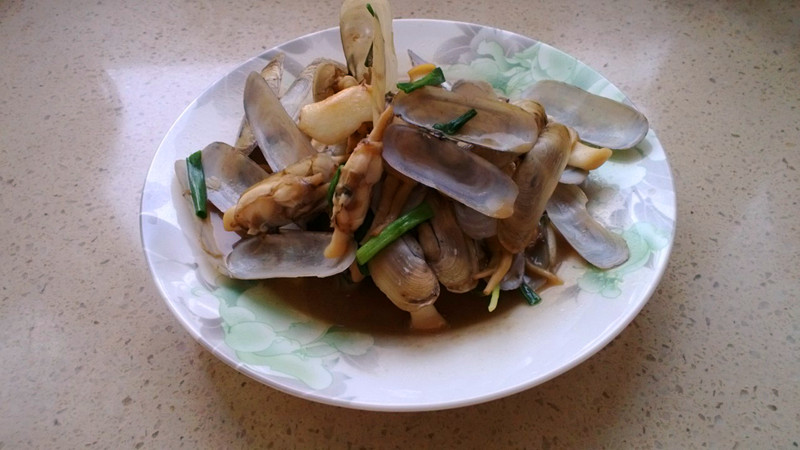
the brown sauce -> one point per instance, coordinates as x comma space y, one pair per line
363, 307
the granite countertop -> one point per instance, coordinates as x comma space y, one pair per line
93, 358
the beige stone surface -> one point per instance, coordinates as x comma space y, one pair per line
92, 357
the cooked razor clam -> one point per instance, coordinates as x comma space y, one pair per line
401, 272
598, 120
597, 245
573, 175
273, 75
474, 88
288, 254
536, 177
515, 275
497, 125
474, 224
588, 158
450, 253
542, 257
351, 197
229, 173
278, 137
200, 231
284, 197
360, 36
443, 165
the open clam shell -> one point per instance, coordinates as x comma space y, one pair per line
598, 120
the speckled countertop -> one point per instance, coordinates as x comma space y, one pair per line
92, 357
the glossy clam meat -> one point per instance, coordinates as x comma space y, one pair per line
291, 195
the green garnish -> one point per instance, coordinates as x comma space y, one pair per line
530, 295
197, 183
393, 231
371, 11
454, 125
494, 298
332, 186
434, 78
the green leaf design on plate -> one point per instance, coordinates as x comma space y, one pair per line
311, 371
264, 331
511, 74
643, 240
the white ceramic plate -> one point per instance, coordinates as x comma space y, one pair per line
276, 334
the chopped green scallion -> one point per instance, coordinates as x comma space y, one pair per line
197, 183
393, 231
434, 78
454, 125
530, 295
371, 11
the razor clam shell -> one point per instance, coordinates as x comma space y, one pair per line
450, 253
359, 37
212, 244
355, 29
278, 137
598, 120
289, 254
475, 88
474, 224
228, 174
537, 176
273, 75
597, 245
543, 252
499, 126
573, 175
443, 165
401, 272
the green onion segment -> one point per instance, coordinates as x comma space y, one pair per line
454, 125
393, 231
197, 183
530, 295
434, 78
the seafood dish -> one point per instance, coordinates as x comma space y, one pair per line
413, 182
